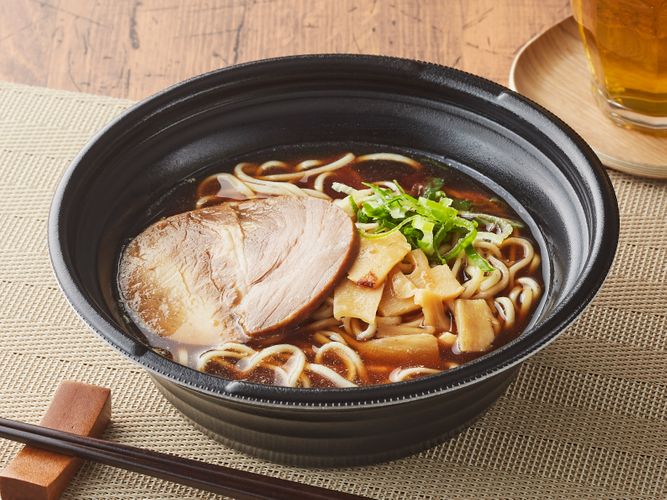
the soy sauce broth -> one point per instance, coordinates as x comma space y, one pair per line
457, 185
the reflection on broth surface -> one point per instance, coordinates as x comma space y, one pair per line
338, 271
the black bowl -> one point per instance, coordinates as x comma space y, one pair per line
536, 162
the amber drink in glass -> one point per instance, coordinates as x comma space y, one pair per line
626, 46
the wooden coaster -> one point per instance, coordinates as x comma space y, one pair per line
552, 70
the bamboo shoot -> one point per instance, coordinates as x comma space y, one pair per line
377, 256
353, 301
474, 321
434, 310
402, 350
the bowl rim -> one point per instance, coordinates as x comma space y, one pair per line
501, 359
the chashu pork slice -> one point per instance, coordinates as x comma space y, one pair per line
297, 249
182, 277
236, 271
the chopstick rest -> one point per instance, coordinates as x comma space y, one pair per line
42, 475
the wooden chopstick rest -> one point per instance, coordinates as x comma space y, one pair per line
42, 475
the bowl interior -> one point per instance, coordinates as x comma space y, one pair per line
546, 172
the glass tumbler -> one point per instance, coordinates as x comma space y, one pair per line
626, 46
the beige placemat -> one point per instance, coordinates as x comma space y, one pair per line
586, 417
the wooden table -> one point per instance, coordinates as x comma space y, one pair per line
132, 49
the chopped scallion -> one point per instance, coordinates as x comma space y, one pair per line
427, 222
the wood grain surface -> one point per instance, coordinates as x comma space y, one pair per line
134, 48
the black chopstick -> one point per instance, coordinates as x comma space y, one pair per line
238, 484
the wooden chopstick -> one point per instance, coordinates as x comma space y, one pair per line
238, 484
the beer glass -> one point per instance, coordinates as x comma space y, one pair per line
626, 46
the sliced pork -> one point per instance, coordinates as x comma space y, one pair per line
236, 271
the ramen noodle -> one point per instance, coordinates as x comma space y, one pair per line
444, 272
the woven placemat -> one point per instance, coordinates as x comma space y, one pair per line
586, 417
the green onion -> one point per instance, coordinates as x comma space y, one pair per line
478, 260
495, 238
426, 222
343, 188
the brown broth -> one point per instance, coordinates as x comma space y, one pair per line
414, 181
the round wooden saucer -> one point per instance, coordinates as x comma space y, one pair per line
552, 70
